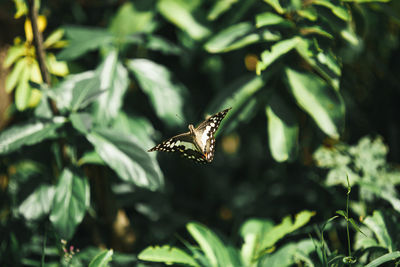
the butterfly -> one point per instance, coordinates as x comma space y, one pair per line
199, 143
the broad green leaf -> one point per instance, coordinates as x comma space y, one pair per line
220, 7
13, 54
83, 40
165, 94
76, 91
158, 43
321, 102
340, 11
377, 224
285, 227
90, 157
277, 50
290, 254
167, 255
82, 122
17, 73
393, 256
114, 81
282, 130
178, 13
102, 259
276, 5
130, 19
316, 29
238, 36
72, 198
269, 18
28, 133
253, 231
125, 155
342, 213
309, 13
215, 251
38, 203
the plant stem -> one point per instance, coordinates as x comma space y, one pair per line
347, 217
38, 41
44, 244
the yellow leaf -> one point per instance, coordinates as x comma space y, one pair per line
42, 23
35, 97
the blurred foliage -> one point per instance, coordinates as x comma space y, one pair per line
309, 83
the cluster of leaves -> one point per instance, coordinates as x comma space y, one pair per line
87, 119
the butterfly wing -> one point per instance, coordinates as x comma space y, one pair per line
182, 144
205, 133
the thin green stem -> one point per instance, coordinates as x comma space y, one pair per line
44, 244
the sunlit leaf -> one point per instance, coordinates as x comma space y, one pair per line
282, 130
215, 251
16, 74
238, 36
28, 133
377, 224
72, 198
13, 54
114, 81
53, 38
340, 11
167, 255
125, 155
269, 18
220, 7
383, 259
38, 203
177, 12
277, 50
165, 94
102, 259
321, 102
276, 5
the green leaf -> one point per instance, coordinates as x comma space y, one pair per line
342, 213
38, 203
77, 91
215, 251
277, 50
366, 1
282, 130
114, 81
383, 259
340, 11
167, 255
90, 157
53, 38
102, 259
377, 224
125, 155
28, 133
220, 7
253, 232
269, 19
238, 36
23, 92
321, 102
276, 5
165, 94
59, 68
72, 198
82, 122
355, 226
131, 19
178, 12
13, 54
162, 45
83, 40
17, 74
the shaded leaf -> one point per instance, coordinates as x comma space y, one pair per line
28, 133
383, 259
377, 224
167, 255
165, 94
322, 103
71, 200
83, 40
220, 7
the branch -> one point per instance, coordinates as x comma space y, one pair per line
38, 41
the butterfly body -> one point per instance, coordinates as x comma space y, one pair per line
199, 143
